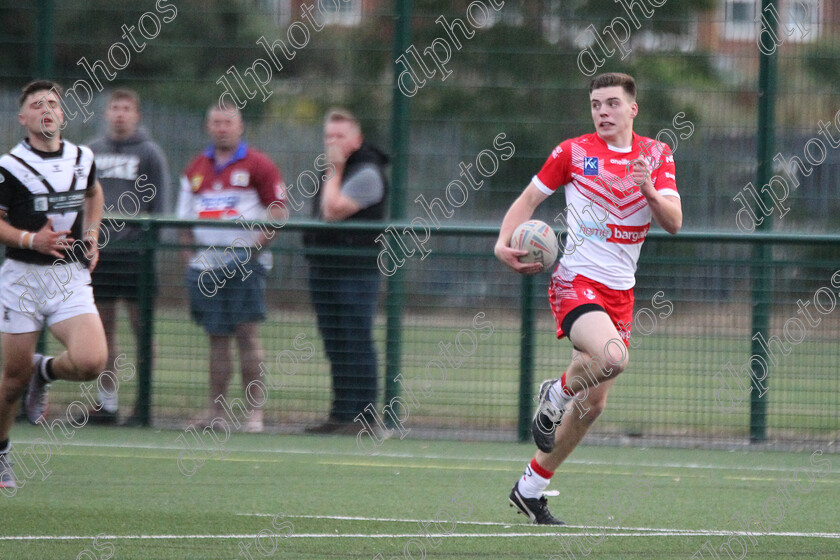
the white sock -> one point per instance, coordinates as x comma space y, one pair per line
110, 402
531, 484
557, 396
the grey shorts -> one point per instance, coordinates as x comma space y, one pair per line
235, 301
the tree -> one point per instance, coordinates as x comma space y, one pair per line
178, 66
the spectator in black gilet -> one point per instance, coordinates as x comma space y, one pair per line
344, 288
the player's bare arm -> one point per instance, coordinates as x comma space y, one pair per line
666, 209
44, 241
520, 211
94, 203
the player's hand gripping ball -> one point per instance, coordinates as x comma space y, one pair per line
539, 240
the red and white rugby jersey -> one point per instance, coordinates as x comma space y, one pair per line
607, 216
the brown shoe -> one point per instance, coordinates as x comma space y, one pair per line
203, 420
328, 427
348, 429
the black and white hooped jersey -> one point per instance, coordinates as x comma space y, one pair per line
36, 185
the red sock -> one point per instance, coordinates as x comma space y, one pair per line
534, 481
538, 469
566, 391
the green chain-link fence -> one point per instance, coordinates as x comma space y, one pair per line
687, 380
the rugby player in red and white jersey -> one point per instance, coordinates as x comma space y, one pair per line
615, 181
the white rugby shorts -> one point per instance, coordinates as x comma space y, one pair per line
34, 294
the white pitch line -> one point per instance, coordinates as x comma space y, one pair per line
590, 529
385, 519
411, 535
403, 455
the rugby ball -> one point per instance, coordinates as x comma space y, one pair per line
539, 240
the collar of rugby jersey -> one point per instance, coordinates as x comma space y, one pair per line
45, 155
238, 155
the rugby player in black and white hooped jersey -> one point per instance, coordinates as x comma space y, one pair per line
51, 207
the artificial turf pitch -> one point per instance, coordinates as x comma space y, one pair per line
119, 493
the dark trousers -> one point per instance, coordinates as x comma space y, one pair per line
345, 301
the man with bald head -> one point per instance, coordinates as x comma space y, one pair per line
226, 275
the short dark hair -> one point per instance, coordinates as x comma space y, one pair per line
611, 79
125, 93
38, 85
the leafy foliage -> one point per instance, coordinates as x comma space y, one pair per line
185, 59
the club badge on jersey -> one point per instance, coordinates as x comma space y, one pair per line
590, 166
239, 178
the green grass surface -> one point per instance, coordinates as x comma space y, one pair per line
125, 485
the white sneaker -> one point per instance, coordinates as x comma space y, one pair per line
7, 475
37, 401
254, 424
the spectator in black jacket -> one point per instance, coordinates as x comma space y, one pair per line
344, 288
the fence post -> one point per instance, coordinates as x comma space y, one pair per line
399, 168
762, 253
526, 356
146, 289
45, 45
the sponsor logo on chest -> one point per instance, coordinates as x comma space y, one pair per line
614, 233
627, 235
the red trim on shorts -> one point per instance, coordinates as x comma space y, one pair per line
565, 295
540, 470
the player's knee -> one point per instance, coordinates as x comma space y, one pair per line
616, 356
620, 366
13, 387
90, 366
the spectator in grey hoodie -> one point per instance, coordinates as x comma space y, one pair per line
135, 177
